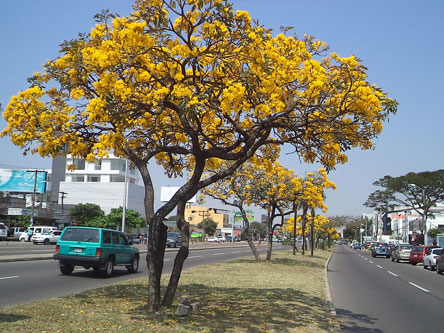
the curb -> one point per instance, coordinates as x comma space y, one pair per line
333, 313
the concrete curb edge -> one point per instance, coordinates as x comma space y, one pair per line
333, 313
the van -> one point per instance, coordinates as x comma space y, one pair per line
37, 229
15, 232
3, 231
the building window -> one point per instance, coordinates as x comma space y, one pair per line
79, 164
117, 179
98, 165
93, 179
77, 178
118, 165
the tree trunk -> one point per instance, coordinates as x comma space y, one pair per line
156, 249
181, 255
304, 223
246, 232
295, 248
312, 233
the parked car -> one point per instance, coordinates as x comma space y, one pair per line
3, 231
221, 239
381, 250
357, 246
46, 237
430, 257
38, 229
401, 252
417, 254
213, 239
97, 248
173, 239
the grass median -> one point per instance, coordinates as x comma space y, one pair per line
284, 295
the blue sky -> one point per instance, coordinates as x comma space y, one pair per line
401, 43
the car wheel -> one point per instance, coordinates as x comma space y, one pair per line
175, 245
432, 268
109, 267
46, 241
22, 240
438, 271
387, 256
393, 259
66, 268
134, 265
413, 263
397, 259
373, 255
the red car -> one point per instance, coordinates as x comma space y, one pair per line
418, 252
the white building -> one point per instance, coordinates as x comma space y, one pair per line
102, 183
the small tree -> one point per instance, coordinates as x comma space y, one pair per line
86, 213
133, 219
208, 226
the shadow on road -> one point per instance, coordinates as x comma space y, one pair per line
355, 322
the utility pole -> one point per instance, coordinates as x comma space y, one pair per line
33, 193
62, 197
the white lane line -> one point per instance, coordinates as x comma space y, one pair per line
419, 287
235, 252
378, 266
166, 259
42, 251
194, 257
371, 262
392, 273
365, 258
9, 277
218, 254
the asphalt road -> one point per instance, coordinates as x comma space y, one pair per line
27, 281
378, 295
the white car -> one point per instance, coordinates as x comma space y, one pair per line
46, 237
430, 259
3, 231
213, 239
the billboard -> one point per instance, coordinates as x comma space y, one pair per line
22, 180
167, 192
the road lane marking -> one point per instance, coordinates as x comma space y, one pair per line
365, 258
392, 273
378, 266
194, 257
371, 262
235, 252
419, 287
166, 259
218, 254
9, 277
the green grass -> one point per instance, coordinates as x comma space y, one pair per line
284, 295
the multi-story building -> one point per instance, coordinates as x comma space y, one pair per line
196, 214
102, 182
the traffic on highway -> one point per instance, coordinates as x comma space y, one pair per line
386, 293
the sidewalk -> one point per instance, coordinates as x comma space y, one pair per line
142, 249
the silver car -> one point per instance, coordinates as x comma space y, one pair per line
430, 258
401, 252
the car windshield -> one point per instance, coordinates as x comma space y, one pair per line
417, 249
81, 235
406, 247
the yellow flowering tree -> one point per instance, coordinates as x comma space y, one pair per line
191, 83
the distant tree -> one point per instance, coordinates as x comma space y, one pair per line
418, 191
133, 219
208, 226
86, 213
261, 229
435, 232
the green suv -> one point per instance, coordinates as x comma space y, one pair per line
101, 249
